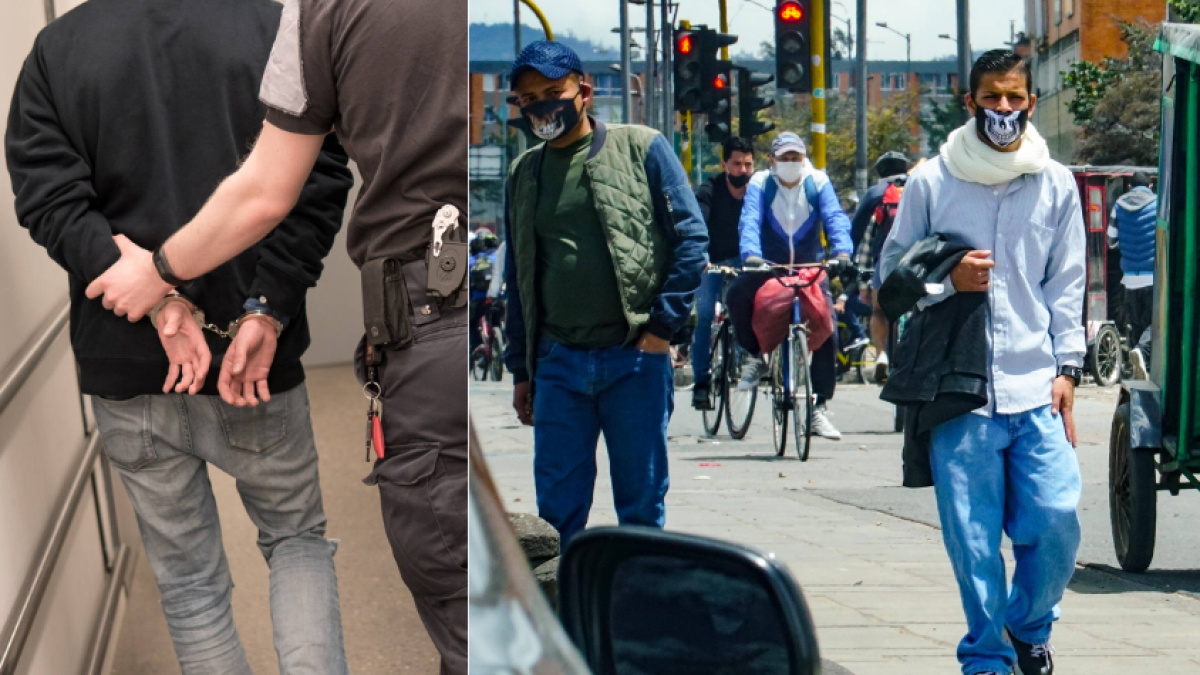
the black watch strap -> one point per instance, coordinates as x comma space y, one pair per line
1073, 372
164, 269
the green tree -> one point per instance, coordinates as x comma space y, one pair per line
1185, 11
941, 119
1118, 105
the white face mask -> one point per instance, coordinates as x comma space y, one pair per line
789, 172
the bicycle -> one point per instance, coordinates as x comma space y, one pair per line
726, 361
487, 359
790, 368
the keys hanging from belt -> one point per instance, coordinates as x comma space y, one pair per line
374, 393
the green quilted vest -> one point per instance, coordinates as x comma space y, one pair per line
616, 170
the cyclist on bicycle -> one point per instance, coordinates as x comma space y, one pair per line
780, 223
872, 222
482, 266
720, 199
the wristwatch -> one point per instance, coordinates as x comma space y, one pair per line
1073, 372
164, 269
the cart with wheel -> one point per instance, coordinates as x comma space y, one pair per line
1155, 441
1099, 188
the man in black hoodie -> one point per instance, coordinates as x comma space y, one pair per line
388, 79
125, 114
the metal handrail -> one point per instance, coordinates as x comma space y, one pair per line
20, 621
28, 362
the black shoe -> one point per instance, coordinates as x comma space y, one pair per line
1033, 659
701, 400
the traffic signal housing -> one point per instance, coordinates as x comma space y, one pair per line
720, 116
749, 103
687, 80
792, 52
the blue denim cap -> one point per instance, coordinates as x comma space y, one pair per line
552, 59
785, 142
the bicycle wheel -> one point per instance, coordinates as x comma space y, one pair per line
801, 386
497, 365
712, 418
479, 364
739, 403
779, 408
864, 362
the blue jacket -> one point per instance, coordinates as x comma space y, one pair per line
763, 236
1134, 218
685, 230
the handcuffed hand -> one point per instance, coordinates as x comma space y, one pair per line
131, 287
247, 363
973, 273
1063, 401
183, 341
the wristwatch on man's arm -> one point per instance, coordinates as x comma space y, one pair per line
1073, 372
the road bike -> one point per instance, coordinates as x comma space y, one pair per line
726, 362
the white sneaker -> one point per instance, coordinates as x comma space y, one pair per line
881, 367
1138, 363
857, 343
822, 427
752, 374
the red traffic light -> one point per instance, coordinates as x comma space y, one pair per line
791, 11
685, 44
719, 82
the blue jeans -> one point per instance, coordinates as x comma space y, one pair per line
625, 393
1015, 474
706, 309
162, 446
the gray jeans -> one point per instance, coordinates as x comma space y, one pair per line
162, 446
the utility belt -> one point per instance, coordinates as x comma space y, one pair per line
399, 297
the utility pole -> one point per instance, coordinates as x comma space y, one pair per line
685, 155
860, 101
649, 86
626, 68
817, 49
964, 51
668, 70
516, 28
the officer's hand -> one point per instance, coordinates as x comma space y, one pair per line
973, 273
523, 403
1064, 401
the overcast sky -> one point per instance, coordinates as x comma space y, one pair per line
752, 22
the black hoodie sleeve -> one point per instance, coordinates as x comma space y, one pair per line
290, 258
52, 182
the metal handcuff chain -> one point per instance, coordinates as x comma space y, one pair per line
198, 316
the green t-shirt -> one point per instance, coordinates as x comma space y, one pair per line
577, 280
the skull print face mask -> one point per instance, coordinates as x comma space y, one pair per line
1001, 129
550, 119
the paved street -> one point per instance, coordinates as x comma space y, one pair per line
867, 552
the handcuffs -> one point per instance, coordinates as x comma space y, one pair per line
198, 316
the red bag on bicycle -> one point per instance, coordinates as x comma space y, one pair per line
773, 310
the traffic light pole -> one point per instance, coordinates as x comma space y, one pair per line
817, 48
650, 85
668, 71
724, 29
626, 69
860, 100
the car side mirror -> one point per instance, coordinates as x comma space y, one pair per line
641, 600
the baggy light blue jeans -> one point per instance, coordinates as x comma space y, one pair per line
624, 392
162, 446
1015, 474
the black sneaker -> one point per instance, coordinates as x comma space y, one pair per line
701, 398
1033, 659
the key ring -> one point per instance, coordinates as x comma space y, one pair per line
378, 391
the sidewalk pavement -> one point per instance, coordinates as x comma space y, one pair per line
866, 551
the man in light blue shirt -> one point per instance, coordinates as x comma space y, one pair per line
1010, 468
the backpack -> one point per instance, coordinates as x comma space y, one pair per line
885, 213
481, 273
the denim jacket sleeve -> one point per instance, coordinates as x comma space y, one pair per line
750, 223
677, 211
514, 352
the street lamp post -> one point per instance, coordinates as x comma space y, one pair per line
908, 50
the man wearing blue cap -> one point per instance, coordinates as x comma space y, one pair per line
606, 248
782, 215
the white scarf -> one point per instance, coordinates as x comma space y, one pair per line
969, 158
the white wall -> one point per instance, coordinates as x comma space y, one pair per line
41, 431
335, 316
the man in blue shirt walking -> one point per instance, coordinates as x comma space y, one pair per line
1132, 228
1009, 467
